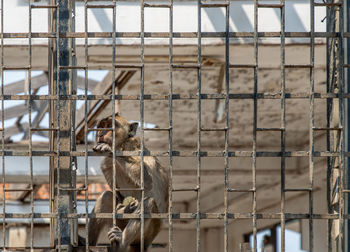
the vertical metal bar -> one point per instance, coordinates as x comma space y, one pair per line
29, 73
113, 116
311, 122
199, 123
330, 107
86, 127
63, 114
227, 122
142, 122
171, 29
347, 113
3, 131
283, 126
340, 70
256, 62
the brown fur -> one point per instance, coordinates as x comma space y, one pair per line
128, 175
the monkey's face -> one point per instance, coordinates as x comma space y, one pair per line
104, 136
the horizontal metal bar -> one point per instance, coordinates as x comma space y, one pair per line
276, 6
240, 190
324, 4
18, 190
33, 6
175, 35
270, 129
100, 129
100, 6
156, 129
16, 68
148, 5
267, 95
346, 65
299, 66
325, 128
43, 129
297, 189
214, 129
346, 191
80, 189
242, 66
177, 66
72, 67
174, 216
129, 66
128, 189
194, 189
179, 153
214, 5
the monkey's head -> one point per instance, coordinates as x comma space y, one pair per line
123, 131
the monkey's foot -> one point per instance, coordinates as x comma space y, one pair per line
102, 147
115, 234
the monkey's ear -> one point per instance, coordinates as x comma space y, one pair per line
133, 128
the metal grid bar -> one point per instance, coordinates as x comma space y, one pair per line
255, 108
3, 131
86, 158
283, 126
171, 67
199, 120
227, 122
175, 35
142, 122
311, 126
29, 73
282, 96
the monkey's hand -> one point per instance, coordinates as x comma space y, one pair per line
102, 147
115, 234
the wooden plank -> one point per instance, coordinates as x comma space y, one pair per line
81, 83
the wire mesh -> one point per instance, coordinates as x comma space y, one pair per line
63, 95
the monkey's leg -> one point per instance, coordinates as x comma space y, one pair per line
130, 237
104, 204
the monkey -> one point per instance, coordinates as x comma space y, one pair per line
126, 233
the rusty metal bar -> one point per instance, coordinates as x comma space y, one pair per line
63, 110
283, 125
255, 115
311, 125
176, 216
114, 155
171, 67
273, 6
142, 122
342, 172
227, 123
199, 119
175, 35
267, 95
148, 5
86, 157
29, 73
180, 153
3, 131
